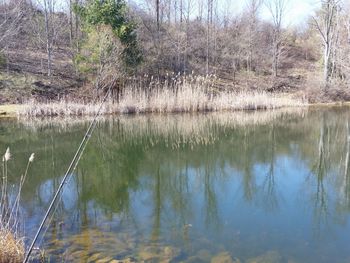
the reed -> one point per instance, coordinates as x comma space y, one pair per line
11, 241
185, 94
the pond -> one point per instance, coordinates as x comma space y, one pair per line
268, 186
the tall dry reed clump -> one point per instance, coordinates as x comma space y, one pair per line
11, 242
179, 94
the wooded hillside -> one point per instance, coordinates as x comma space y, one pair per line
53, 49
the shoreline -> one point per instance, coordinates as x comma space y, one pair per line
184, 100
10, 110
13, 110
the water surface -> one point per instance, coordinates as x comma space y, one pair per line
246, 187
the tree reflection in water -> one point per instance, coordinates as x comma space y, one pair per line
178, 180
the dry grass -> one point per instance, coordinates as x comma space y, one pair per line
11, 247
337, 91
11, 242
190, 94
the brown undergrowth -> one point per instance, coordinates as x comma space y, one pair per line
190, 94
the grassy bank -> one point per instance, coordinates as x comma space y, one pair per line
186, 99
253, 101
178, 94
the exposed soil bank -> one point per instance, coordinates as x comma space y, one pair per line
10, 110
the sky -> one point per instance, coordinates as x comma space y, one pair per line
297, 11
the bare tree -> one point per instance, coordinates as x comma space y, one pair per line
326, 25
339, 64
181, 11
70, 3
253, 7
48, 9
209, 25
76, 25
277, 10
200, 10
10, 17
157, 13
187, 18
51, 27
168, 11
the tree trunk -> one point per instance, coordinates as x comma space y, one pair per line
70, 23
175, 11
209, 3
275, 57
169, 12
157, 13
326, 64
76, 28
327, 25
48, 36
181, 11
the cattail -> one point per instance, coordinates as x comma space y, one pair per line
7, 155
31, 158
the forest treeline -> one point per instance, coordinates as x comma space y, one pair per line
95, 43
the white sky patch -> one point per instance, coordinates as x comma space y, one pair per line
297, 12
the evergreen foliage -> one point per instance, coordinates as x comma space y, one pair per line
113, 13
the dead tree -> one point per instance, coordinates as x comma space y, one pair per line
11, 15
158, 17
253, 9
209, 25
277, 10
326, 25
